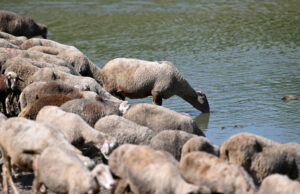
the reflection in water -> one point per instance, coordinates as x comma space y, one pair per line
202, 121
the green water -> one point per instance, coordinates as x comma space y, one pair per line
245, 55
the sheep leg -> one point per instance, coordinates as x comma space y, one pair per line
36, 185
4, 180
7, 104
8, 168
120, 187
4, 107
157, 100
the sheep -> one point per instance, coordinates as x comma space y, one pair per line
21, 25
20, 61
6, 54
21, 68
16, 40
31, 112
37, 90
76, 129
19, 135
220, 176
278, 184
8, 83
159, 118
47, 74
171, 141
90, 110
200, 144
64, 172
292, 150
136, 78
79, 61
126, 131
6, 44
148, 171
259, 156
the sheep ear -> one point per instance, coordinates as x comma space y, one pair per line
53, 76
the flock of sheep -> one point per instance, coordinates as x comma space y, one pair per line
65, 120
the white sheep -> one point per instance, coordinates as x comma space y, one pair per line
16, 40
64, 172
6, 54
171, 141
20, 61
74, 56
148, 171
279, 184
6, 44
136, 78
159, 118
200, 144
76, 129
220, 176
19, 135
124, 130
260, 156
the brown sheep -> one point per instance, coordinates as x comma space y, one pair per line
159, 118
199, 144
21, 25
259, 156
135, 78
38, 90
220, 176
148, 171
81, 82
171, 141
279, 184
55, 100
91, 110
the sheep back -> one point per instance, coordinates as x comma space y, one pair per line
90, 110
220, 176
199, 144
126, 131
171, 141
160, 118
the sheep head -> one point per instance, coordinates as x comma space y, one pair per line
124, 106
11, 79
43, 30
201, 98
108, 147
103, 175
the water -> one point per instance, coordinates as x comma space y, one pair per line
245, 55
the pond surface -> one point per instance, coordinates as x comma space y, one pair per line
245, 55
